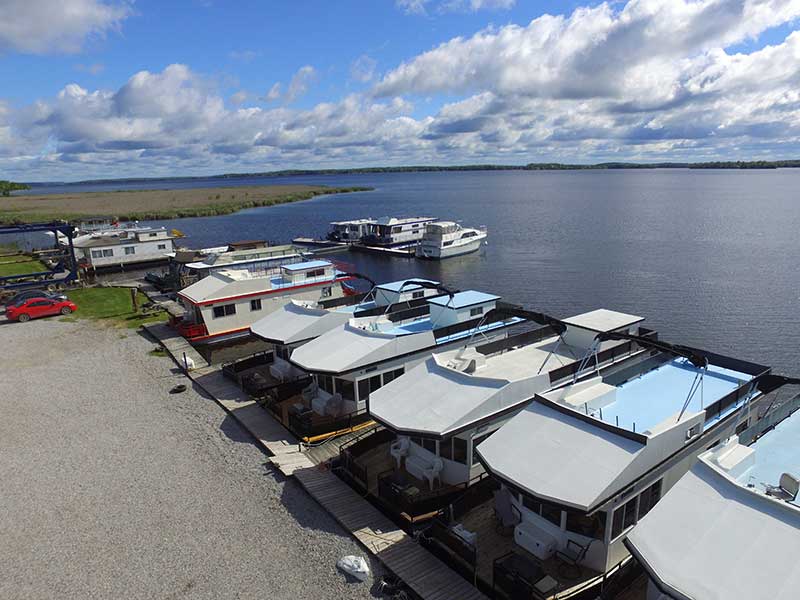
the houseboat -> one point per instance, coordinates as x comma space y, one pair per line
258, 258
301, 321
445, 239
350, 232
227, 302
354, 360
122, 247
730, 528
397, 232
434, 416
581, 464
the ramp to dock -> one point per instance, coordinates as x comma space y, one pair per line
420, 570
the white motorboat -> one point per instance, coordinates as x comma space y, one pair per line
444, 239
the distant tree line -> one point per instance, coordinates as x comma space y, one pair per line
6, 187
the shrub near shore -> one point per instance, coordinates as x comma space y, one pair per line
146, 205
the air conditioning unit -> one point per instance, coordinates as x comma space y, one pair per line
535, 540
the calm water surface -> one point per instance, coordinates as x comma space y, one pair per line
708, 257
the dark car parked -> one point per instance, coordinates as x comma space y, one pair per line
25, 295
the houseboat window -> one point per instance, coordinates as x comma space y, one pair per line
130, 250
474, 312
97, 254
417, 441
446, 449
551, 513
460, 450
392, 375
108, 252
624, 517
325, 382
367, 386
429, 445
532, 505
326, 292
449, 243
346, 388
315, 273
649, 497
162, 246
397, 229
282, 352
418, 294
224, 311
590, 526
475, 441
255, 304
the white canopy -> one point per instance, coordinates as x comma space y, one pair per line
297, 322
562, 458
710, 538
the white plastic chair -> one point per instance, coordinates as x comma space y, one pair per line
433, 471
399, 449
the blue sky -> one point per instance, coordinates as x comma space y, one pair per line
105, 88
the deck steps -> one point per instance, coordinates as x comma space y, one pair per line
428, 576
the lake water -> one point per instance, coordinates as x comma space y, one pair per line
708, 257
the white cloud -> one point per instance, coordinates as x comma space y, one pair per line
567, 89
274, 93
43, 26
363, 68
476, 5
244, 56
300, 83
239, 97
416, 7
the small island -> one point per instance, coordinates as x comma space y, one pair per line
150, 205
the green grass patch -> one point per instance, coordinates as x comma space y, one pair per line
21, 268
113, 305
160, 352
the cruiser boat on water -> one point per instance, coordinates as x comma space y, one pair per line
730, 528
354, 360
435, 415
224, 304
581, 464
395, 232
444, 239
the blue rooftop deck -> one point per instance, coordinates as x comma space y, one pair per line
776, 452
464, 299
648, 400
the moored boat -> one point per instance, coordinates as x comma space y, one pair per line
445, 239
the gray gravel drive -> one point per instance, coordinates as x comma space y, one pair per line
110, 487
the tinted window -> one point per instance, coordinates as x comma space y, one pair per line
255, 304
649, 497
593, 527
460, 450
429, 445
446, 449
346, 388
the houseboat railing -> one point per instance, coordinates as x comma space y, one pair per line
307, 424
350, 453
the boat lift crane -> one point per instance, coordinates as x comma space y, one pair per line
68, 265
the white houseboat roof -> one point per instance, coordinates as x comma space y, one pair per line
310, 264
454, 389
403, 220
593, 438
713, 538
464, 299
218, 257
117, 237
366, 221
368, 340
298, 321
602, 320
232, 282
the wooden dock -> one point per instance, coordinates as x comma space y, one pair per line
420, 570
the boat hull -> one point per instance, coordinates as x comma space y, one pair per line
432, 253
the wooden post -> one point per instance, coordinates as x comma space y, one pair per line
134, 300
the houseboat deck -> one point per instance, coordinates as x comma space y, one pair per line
649, 399
776, 451
493, 544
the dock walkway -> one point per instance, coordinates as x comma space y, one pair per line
428, 576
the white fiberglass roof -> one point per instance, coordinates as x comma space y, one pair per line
710, 538
603, 320
299, 321
558, 457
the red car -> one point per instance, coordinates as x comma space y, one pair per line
39, 307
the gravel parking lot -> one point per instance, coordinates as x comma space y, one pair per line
113, 488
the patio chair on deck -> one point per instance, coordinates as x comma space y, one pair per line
571, 557
786, 489
399, 449
507, 515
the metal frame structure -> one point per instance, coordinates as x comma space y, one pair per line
68, 264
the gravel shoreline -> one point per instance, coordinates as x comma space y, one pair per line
112, 487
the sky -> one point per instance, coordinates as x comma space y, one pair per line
122, 88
